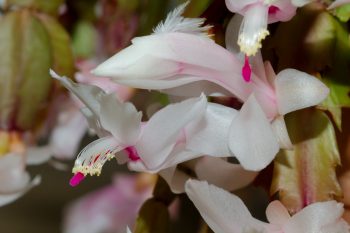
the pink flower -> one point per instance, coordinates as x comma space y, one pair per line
109, 209
226, 213
182, 56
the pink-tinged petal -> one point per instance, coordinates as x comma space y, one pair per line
92, 158
222, 211
67, 134
231, 176
300, 3
213, 127
7, 198
285, 10
251, 138
38, 155
109, 209
277, 214
13, 176
196, 88
314, 217
297, 90
338, 3
121, 119
269, 73
236, 6
123, 93
160, 134
280, 129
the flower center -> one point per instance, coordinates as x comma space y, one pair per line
132, 153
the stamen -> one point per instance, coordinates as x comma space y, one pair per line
92, 158
132, 153
246, 70
76, 179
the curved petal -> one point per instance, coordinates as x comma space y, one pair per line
300, 3
231, 35
231, 176
277, 214
286, 10
222, 211
313, 217
86, 93
239, 5
280, 129
296, 90
213, 127
338, 3
13, 176
67, 135
121, 119
160, 134
251, 138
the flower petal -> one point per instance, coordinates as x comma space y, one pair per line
280, 129
231, 35
315, 216
238, 5
300, 3
251, 138
175, 178
160, 134
214, 128
86, 93
231, 176
121, 119
222, 211
338, 3
38, 155
13, 176
277, 214
296, 90
286, 10
66, 136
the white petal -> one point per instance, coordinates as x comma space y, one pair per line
160, 134
86, 93
280, 129
300, 3
94, 122
277, 214
251, 138
38, 155
121, 119
214, 128
222, 211
13, 176
231, 176
231, 35
238, 5
338, 3
128, 230
313, 217
297, 90
8, 198
66, 136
